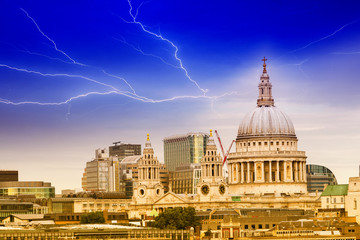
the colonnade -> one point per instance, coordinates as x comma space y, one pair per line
258, 171
149, 173
211, 169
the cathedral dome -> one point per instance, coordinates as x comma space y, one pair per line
266, 122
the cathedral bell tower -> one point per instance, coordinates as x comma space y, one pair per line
148, 186
212, 185
265, 89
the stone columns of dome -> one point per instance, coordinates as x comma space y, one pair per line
230, 173
242, 172
237, 172
297, 172
270, 172
248, 172
277, 171
304, 171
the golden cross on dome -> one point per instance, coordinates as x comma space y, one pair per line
264, 65
264, 60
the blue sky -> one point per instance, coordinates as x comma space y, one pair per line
313, 49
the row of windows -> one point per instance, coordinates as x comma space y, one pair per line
259, 226
334, 200
266, 143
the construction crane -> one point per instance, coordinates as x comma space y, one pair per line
222, 149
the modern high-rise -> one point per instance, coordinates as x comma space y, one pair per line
184, 149
185, 178
102, 173
122, 150
318, 177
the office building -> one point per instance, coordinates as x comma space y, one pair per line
122, 150
318, 177
35, 188
102, 173
9, 175
185, 178
184, 149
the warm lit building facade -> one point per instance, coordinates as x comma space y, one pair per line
334, 196
184, 149
102, 173
267, 160
129, 175
318, 177
36, 188
352, 206
185, 178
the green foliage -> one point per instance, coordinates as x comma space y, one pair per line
208, 233
93, 217
176, 218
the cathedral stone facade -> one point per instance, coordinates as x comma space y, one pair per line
267, 160
265, 171
149, 187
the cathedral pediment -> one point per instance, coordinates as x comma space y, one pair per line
171, 198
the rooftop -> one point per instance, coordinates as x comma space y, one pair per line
336, 190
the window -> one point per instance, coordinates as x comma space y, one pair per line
327, 200
265, 143
246, 226
259, 143
271, 143
253, 226
342, 199
334, 200
260, 226
355, 204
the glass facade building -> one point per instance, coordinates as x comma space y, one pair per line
38, 189
185, 178
318, 177
184, 149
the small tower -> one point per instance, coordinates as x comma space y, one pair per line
265, 89
148, 186
212, 185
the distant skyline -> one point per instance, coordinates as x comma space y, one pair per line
77, 76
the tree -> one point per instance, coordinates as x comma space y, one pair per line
93, 217
176, 218
208, 233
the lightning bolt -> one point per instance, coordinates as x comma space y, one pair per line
48, 38
114, 90
58, 75
138, 49
159, 36
346, 53
323, 38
